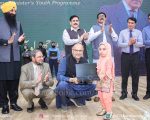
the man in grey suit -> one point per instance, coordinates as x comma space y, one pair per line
35, 80
117, 15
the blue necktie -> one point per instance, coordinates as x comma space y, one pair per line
131, 46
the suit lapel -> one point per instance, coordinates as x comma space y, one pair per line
43, 71
31, 69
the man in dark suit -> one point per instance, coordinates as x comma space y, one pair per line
117, 15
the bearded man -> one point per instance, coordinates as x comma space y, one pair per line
11, 37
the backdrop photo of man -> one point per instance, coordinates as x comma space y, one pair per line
117, 14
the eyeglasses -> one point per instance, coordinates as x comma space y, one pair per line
40, 57
77, 50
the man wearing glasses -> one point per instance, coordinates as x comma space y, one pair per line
69, 88
35, 80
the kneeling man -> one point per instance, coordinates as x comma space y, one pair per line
35, 80
69, 87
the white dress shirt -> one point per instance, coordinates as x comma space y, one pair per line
67, 40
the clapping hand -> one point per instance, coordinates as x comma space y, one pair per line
46, 77
11, 39
21, 38
85, 36
110, 28
132, 41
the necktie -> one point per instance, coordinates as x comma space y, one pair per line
131, 46
39, 86
132, 13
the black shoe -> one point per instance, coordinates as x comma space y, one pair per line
123, 96
96, 99
5, 109
88, 99
135, 97
42, 104
30, 110
0, 105
147, 96
15, 107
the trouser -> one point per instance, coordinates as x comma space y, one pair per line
65, 91
130, 63
9, 88
147, 62
53, 64
47, 96
106, 99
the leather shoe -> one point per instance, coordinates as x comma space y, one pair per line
0, 105
96, 99
123, 96
31, 109
15, 107
147, 96
113, 99
42, 104
135, 97
5, 109
88, 99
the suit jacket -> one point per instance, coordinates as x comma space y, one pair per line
117, 15
27, 80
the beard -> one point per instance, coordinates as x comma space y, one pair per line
11, 20
39, 63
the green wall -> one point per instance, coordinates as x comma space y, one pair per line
47, 21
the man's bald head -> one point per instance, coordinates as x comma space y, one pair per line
77, 51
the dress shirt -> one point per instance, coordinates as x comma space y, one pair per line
39, 86
146, 36
93, 35
67, 40
124, 40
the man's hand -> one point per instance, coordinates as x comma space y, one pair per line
81, 37
110, 28
132, 41
46, 77
102, 28
85, 36
11, 39
21, 38
74, 80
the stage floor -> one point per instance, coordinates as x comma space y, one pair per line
127, 109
